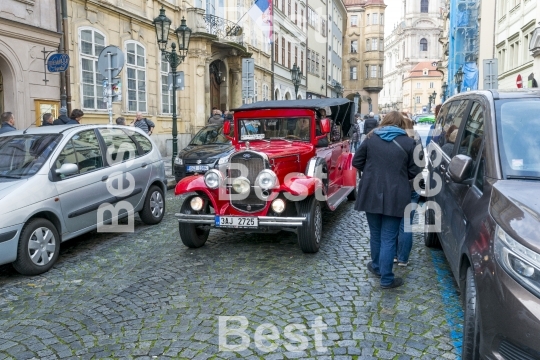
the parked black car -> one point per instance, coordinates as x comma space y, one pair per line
203, 152
484, 176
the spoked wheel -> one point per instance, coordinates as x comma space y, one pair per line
38, 249
310, 234
192, 235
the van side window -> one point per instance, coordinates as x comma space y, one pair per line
473, 133
449, 125
479, 182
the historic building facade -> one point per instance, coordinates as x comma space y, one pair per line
27, 28
337, 17
317, 48
419, 83
415, 39
363, 53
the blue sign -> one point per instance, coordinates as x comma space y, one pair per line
58, 62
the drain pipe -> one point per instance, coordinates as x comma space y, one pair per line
61, 50
65, 91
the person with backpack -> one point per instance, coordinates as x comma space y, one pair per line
143, 123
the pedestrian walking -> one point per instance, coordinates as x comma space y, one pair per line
147, 126
63, 119
386, 161
75, 117
355, 134
120, 120
405, 237
216, 118
8, 122
47, 119
370, 123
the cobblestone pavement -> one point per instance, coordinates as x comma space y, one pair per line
145, 295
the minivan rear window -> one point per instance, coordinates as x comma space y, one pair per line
518, 131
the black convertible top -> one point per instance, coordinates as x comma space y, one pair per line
294, 104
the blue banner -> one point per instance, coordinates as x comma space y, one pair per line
58, 62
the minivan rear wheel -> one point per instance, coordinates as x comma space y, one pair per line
471, 328
38, 249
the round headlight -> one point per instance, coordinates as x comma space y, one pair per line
278, 206
241, 185
197, 203
212, 179
267, 179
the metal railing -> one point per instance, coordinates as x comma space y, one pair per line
223, 29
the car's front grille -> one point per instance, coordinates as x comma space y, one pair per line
251, 164
510, 351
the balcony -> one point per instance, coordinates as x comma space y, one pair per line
373, 85
374, 56
223, 32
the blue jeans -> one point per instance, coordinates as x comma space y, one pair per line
354, 146
404, 244
384, 232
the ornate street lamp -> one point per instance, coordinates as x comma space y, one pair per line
443, 91
296, 76
339, 89
429, 104
458, 78
162, 24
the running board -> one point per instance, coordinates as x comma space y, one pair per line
340, 196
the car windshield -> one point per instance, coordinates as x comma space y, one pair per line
296, 128
210, 135
23, 155
518, 128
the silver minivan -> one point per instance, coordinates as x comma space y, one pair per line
58, 182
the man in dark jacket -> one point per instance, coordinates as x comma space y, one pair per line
370, 123
63, 119
386, 160
47, 119
8, 122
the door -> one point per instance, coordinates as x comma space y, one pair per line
127, 166
445, 133
46, 106
81, 194
468, 142
337, 148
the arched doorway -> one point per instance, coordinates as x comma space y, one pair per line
287, 96
216, 78
276, 95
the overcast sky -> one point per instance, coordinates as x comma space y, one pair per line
391, 15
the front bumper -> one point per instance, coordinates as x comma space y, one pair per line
264, 221
9, 240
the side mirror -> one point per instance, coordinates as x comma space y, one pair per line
325, 125
226, 127
460, 168
67, 169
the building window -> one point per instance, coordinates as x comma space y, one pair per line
374, 44
312, 61
424, 6
431, 85
296, 56
265, 92
255, 92
381, 44
418, 85
368, 45
323, 67
136, 75
302, 19
317, 63
313, 18
91, 43
354, 20
289, 7
289, 54
423, 44
418, 99
375, 19
374, 71
276, 49
353, 75
283, 6
367, 19
166, 95
323, 27
382, 19
302, 61
308, 61
367, 72
283, 51
354, 46
380, 72
296, 13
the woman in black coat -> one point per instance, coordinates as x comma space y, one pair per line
386, 161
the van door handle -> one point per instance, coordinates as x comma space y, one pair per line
105, 178
144, 165
443, 168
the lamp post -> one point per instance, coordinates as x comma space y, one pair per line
369, 103
458, 78
429, 103
296, 76
162, 24
443, 91
434, 98
357, 101
339, 89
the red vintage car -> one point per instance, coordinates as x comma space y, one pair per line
290, 159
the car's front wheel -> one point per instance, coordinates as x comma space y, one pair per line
38, 249
192, 235
431, 239
309, 234
471, 329
154, 206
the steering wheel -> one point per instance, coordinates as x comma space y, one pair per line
293, 136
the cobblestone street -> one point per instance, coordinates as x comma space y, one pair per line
145, 295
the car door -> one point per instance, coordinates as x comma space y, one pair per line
129, 165
468, 142
81, 194
336, 147
449, 121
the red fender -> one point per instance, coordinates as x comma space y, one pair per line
298, 184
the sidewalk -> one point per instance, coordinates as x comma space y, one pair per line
171, 182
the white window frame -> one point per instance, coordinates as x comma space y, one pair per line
353, 73
94, 58
255, 91
373, 71
431, 84
166, 74
355, 22
418, 85
375, 19
137, 69
417, 98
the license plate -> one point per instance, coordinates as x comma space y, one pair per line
197, 168
237, 221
